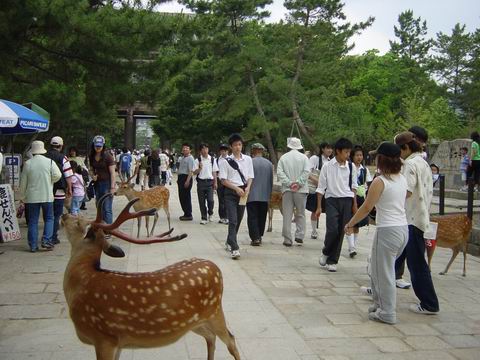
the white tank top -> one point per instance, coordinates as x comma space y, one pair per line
391, 205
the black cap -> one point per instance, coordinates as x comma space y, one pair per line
388, 149
223, 146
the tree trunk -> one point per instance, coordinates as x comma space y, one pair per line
266, 132
293, 90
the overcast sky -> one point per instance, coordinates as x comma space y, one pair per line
441, 15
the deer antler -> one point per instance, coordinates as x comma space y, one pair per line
127, 215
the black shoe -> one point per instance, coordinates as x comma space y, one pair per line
55, 241
83, 207
299, 241
287, 244
186, 218
46, 245
256, 242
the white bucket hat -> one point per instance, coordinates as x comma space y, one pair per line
294, 143
38, 147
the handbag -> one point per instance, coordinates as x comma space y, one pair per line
90, 190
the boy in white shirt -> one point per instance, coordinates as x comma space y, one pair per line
206, 171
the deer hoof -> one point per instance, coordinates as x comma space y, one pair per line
464, 274
442, 273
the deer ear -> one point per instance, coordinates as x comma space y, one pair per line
90, 234
114, 251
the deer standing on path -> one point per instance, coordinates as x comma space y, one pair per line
156, 197
112, 310
453, 232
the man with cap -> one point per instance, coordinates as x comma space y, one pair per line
236, 174
222, 212
63, 187
420, 191
292, 172
257, 203
36, 190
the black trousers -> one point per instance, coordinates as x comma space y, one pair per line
339, 213
235, 215
222, 212
419, 271
205, 195
257, 217
184, 194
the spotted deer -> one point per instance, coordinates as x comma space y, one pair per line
274, 203
112, 310
453, 232
156, 197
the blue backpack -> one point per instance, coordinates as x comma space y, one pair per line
125, 161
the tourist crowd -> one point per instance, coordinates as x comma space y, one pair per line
335, 182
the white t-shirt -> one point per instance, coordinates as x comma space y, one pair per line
334, 180
391, 205
207, 169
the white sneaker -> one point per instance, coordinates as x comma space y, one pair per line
332, 267
323, 260
203, 222
402, 284
366, 290
314, 235
235, 254
210, 218
418, 309
228, 247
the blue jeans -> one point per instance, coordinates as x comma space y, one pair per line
57, 213
33, 215
75, 206
102, 187
419, 272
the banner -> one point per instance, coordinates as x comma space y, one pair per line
8, 224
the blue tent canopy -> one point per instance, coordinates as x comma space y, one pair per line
17, 119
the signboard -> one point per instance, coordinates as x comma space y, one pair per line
11, 165
8, 215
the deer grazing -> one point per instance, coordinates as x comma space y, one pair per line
112, 310
453, 232
156, 198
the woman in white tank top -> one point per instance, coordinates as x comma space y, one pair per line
387, 194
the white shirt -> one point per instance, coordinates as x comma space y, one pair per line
207, 169
391, 204
314, 161
163, 162
226, 172
334, 180
419, 182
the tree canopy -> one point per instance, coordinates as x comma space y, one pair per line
223, 69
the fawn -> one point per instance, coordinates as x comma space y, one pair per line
156, 197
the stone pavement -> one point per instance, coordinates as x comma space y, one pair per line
278, 302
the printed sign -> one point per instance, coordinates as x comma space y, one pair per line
11, 165
8, 215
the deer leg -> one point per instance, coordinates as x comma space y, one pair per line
139, 224
117, 355
167, 212
155, 218
464, 249
147, 225
105, 351
455, 252
270, 216
209, 337
430, 251
219, 327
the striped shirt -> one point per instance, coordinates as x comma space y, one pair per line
67, 172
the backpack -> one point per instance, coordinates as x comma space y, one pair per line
58, 157
125, 162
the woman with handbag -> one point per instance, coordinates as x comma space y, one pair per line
102, 171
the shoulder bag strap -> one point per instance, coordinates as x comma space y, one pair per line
235, 166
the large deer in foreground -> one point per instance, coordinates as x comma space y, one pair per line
112, 310
154, 198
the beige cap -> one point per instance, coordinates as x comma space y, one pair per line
38, 147
56, 141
